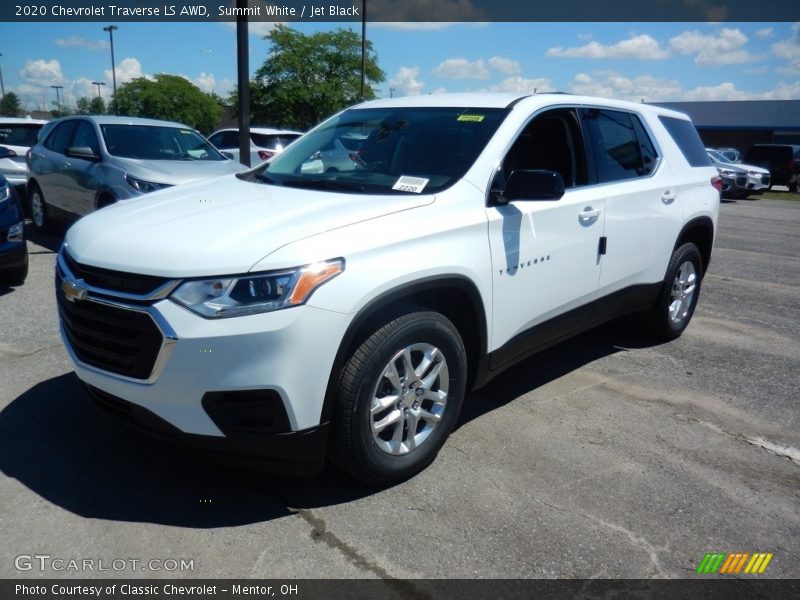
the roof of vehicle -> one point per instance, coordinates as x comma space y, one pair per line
21, 120
503, 100
115, 120
263, 130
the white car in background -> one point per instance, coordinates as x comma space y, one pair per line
17, 135
757, 178
265, 143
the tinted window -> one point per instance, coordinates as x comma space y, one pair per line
551, 142
687, 139
24, 134
617, 152
226, 139
60, 137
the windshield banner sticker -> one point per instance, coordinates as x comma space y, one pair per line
410, 184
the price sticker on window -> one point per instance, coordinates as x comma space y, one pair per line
410, 184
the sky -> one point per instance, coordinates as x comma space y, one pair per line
636, 61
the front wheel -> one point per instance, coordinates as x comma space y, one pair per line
400, 395
675, 306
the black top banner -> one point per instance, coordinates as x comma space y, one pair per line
400, 10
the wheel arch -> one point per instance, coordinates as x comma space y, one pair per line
700, 232
454, 296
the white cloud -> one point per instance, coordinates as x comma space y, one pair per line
642, 47
405, 82
505, 65
521, 85
461, 68
609, 84
789, 49
127, 69
724, 47
728, 91
208, 83
42, 72
767, 32
80, 42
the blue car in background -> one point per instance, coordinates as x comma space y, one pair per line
13, 249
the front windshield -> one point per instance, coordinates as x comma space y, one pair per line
386, 150
154, 142
717, 156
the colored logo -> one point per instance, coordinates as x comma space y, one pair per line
734, 563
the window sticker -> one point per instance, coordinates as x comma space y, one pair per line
410, 184
185, 132
470, 118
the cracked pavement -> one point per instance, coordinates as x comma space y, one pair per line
605, 456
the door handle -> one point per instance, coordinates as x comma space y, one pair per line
66, 165
667, 197
588, 213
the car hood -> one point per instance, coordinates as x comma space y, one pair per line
176, 172
218, 226
753, 168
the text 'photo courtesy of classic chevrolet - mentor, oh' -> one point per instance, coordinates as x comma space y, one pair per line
299, 311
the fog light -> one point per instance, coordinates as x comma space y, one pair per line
17, 232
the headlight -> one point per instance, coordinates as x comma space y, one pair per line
145, 186
5, 192
16, 232
727, 172
257, 293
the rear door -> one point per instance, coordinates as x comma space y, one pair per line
643, 215
84, 177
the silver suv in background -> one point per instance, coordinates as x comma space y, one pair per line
16, 137
83, 163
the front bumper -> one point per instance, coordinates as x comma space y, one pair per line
286, 354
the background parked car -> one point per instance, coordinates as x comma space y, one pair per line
265, 143
782, 161
734, 178
732, 155
84, 163
13, 250
757, 178
17, 136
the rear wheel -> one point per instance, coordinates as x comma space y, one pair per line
399, 398
674, 308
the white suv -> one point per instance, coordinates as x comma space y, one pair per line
288, 315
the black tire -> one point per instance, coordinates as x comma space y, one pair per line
673, 310
793, 187
40, 217
364, 454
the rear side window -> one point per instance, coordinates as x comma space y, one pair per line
225, 139
687, 139
620, 145
272, 141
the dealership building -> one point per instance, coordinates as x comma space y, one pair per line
741, 123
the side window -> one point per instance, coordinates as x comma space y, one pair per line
617, 152
646, 146
216, 139
86, 137
687, 139
59, 139
551, 141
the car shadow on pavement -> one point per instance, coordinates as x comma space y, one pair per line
53, 441
51, 240
532, 373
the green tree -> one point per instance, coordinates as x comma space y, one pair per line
168, 97
306, 78
97, 106
10, 105
83, 106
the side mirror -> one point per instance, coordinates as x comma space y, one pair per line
226, 154
6, 152
83, 152
530, 185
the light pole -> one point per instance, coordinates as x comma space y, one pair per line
58, 96
110, 29
98, 84
363, 45
2, 87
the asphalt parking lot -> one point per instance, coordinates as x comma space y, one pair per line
606, 456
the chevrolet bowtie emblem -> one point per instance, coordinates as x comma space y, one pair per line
74, 290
